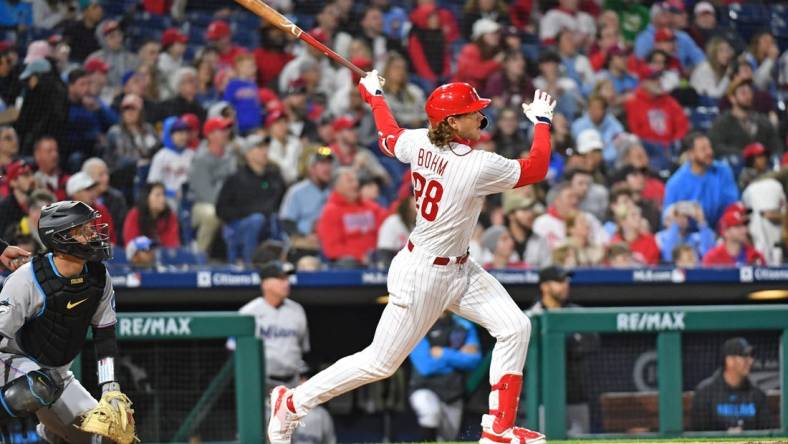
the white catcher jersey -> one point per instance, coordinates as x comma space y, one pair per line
449, 186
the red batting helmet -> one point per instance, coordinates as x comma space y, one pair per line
453, 99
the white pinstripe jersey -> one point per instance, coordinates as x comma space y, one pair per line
450, 185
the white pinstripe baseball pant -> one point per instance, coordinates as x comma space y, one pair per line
419, 292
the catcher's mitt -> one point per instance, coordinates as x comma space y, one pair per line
113, 418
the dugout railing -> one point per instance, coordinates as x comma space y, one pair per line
244, 366
546, 367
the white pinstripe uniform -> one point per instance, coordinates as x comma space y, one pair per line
450, 185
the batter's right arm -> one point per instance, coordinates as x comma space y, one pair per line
388, 129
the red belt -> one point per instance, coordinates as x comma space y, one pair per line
443, 260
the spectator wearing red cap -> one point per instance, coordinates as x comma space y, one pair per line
756, 163
48, 174
173, 47
348, 226
348, 153
428, 47
285, 149
214, 162
99, 89
271, 55
243, 94
609, 38
480, 58
220, 35
567, 16
14, 206
742, 125
735, 249
114, 53
655, 117
81, 34
662, 16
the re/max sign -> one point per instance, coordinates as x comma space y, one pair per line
650, 321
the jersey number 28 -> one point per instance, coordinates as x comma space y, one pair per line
431, 191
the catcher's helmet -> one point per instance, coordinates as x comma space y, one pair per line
59, 218
453, 99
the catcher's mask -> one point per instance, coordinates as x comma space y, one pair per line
69, 227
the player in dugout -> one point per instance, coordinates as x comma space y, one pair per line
46, 307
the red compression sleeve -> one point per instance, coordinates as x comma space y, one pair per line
388, 129
534, 167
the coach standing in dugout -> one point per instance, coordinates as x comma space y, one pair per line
554, 295
281, 324
728, 400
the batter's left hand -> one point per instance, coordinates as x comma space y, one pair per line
541, 109
13, 257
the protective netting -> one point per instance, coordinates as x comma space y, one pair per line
611, 383
173, 384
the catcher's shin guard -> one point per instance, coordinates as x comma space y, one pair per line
30, 392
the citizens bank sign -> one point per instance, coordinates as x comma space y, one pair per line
650, 321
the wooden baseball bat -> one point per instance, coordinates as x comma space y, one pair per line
273, 17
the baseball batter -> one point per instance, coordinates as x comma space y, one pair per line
433, 272
46, 307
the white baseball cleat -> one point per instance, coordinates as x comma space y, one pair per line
513, 435
284, 420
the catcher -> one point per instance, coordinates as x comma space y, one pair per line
46, 306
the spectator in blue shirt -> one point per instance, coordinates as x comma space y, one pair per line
687, 51
304, 201
616, 70
702, 179
88, 121
597, 117
437, 385
243, 94
685, 225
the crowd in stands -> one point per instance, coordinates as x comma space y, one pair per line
211, 131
